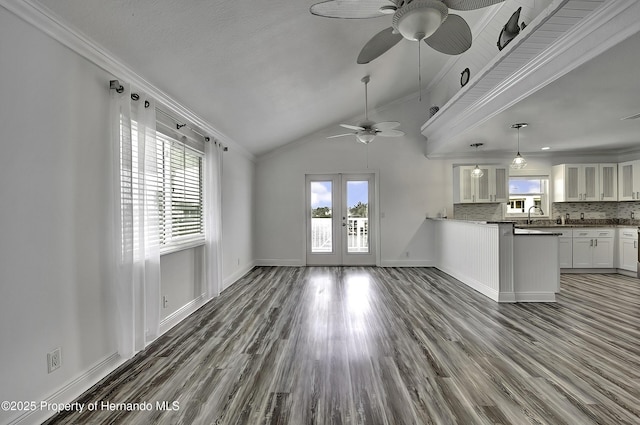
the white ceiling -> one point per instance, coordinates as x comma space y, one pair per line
264, 73
580, 112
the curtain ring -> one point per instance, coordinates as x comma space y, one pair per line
135, 96
146, 104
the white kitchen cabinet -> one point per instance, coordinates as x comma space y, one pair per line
608, 182
565, 242
492, 187
629, 181
593, 248
627, 249
576, 182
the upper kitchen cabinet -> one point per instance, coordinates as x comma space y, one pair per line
492, 187
584, 182
608, 182
629, 181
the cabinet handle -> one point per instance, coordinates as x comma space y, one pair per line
591, 242
635, 244
596, 242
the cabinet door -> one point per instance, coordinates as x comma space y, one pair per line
589, 184
582, 253
500, 184
625, 181
603, 253
628, 254
566, 252
466, 185
608, 182
572, 187
482, 186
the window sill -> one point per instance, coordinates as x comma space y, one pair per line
169, 249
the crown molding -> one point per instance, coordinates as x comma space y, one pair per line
46, 21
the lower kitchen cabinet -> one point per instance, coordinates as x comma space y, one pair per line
627, 249
565, 242
593, 248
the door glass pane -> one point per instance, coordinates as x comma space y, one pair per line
358, 216
321, 217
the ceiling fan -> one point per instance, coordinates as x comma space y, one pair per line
415, 20
367, 131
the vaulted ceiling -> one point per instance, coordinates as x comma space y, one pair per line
267, 73
264, 73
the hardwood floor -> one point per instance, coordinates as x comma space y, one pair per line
366, 345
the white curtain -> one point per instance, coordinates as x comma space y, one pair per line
213, 218
136, 230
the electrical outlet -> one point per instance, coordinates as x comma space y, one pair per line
165, 301
581, 216
632, 215
238, 261
54, 360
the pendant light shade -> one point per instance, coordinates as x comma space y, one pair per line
518, 162
477, 172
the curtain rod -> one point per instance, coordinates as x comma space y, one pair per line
115, 85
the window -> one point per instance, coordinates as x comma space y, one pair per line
526, 192
181, 201
173, 179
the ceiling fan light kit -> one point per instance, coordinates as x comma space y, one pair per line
419, 19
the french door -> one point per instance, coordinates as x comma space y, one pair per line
340, 219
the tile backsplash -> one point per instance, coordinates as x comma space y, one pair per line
591, 210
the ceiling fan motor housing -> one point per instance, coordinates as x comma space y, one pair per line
419, 19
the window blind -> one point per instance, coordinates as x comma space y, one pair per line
182, 198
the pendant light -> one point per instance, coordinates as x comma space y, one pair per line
518, 162
477, 172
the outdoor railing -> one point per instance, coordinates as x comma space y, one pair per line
357, 234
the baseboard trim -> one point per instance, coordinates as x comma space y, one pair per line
535, 297
182, 313
230, 280
473, 284
72, 390
406, 263
279, 263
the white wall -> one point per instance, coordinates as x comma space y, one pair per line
410, 187
53, 176
53, 179
237, 216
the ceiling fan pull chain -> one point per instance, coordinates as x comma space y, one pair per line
419, 75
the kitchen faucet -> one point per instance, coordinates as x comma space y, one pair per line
529, 213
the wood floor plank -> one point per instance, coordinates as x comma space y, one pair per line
386, 346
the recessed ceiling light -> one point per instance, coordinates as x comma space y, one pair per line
546, 148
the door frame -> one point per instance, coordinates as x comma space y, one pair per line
374, 214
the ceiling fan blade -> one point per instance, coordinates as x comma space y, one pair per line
349, 9
352, 127
469, 4
380, 43
340, 135
452, 38
387, 125
390, 133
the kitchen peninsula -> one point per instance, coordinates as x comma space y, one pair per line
498, 260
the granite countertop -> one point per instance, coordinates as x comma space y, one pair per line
531, 232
